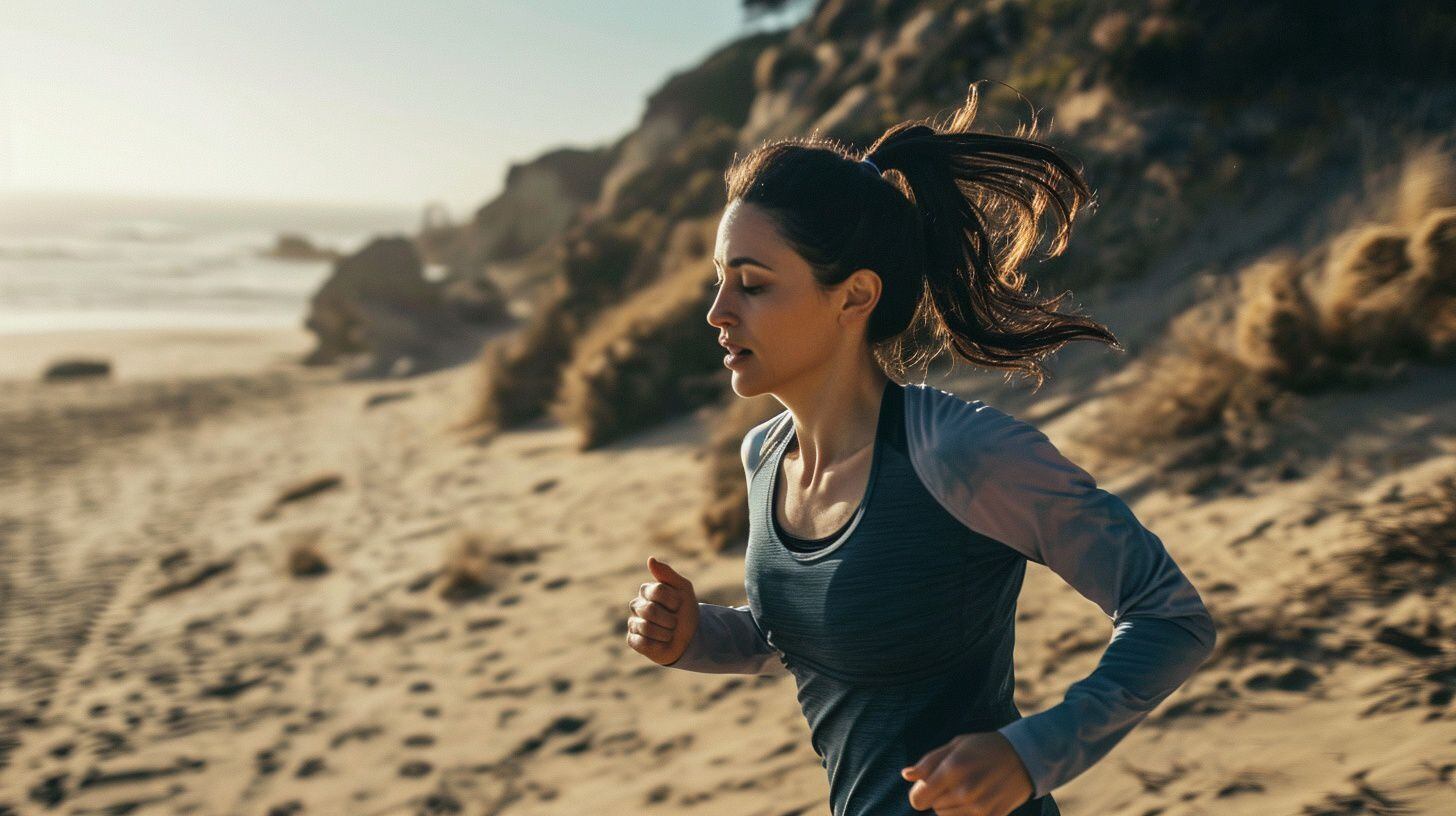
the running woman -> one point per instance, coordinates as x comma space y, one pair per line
889, 524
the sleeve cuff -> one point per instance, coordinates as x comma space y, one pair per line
1018, 733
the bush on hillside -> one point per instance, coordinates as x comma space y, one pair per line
519, 374
653, 356
1352, 313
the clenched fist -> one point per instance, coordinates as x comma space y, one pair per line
664, 615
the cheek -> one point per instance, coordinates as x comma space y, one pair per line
794, 330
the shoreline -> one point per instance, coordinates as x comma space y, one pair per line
155, 353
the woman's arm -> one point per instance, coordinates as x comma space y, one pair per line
1004, 479
728, 641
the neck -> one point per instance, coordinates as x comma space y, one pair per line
835, 412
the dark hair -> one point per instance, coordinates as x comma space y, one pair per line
946, 227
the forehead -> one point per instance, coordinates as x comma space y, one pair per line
746, 230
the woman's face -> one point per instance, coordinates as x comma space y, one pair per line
769, 303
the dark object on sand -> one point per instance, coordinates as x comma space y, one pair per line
77, 369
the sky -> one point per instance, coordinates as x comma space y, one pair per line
357, 102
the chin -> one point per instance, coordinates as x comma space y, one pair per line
746, 388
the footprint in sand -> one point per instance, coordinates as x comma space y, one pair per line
622, 742
1297, 678
361, 733
266, 761
719, 693
310, 767
676, 745
1246, 782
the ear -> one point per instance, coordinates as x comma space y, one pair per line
861, 291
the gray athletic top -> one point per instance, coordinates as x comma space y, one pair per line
899, 633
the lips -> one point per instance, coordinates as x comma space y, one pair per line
733, 347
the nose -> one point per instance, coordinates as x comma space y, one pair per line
718, 315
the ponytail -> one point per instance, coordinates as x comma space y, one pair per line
946, 222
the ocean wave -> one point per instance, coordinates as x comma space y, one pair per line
62, 251
142, 231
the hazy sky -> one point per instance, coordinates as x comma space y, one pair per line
357, 101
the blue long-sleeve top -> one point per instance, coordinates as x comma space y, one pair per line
899, 632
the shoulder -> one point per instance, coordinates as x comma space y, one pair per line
944, 430
758, 440
982, 463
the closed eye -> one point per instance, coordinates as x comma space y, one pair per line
752, 290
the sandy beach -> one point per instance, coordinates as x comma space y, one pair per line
159, 657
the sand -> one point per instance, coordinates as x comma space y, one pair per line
156, 655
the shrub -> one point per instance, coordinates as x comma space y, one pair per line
465, 570
303, 552
653, 356
520, 373
1350, 313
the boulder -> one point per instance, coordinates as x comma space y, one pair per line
378, 311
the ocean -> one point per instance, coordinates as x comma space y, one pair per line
87, 262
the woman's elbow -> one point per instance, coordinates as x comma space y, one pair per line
1207, 633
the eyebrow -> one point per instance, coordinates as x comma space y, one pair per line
744, 259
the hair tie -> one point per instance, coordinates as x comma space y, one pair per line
872, 165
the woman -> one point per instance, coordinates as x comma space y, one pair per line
890, 525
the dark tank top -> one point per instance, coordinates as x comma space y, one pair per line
898, 628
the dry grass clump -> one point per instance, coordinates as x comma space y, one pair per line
303, 552
1386, 293
1201, 394
520, 374
1365, 304
1432, 250
465, 570
653, 356
1351, 313
1274, 328
1389, 294
1427, 182
725, 516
